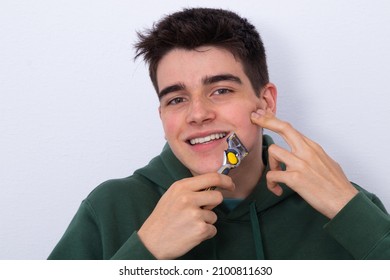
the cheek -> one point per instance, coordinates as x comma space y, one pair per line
169, 125
251, 137
243, 116
248, 132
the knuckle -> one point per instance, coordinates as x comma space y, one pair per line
213, 232
175, 186
272, 149
296, 177
269, 176
302, 165
315, 153
214, 218
194, 214
336, 164
203, 229
210, 231
318, 148
184, 199
285, 126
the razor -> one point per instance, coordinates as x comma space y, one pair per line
232, 156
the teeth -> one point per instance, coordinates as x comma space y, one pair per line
208, 138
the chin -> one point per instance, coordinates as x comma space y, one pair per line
199, 170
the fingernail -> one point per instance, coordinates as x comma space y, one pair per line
255, 115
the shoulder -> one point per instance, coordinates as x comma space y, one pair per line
132, 190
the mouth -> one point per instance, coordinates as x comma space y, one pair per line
207, 139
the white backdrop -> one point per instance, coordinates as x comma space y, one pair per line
76, 110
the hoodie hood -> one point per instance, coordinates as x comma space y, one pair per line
164, 169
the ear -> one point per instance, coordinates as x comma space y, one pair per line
268, 97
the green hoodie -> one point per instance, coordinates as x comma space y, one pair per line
263, 226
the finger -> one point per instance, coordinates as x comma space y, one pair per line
277, 155
209, 216
273, 180
211, 231
274, 164
314, 146
267, 119
208, 200
322, 157
204, 181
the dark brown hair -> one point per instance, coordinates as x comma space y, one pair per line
195, 27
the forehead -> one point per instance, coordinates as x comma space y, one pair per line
189, 66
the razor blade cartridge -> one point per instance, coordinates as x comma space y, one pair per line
232, 156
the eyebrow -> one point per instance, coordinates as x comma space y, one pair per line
169, 89
208, 80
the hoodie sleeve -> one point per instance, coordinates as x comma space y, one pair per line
83, 241
362, 227
133, 249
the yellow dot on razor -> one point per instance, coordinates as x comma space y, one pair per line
232, 158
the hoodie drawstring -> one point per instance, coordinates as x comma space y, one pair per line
256, 232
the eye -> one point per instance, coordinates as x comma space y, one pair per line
222, 91
175, 101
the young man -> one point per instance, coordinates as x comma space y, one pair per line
209, 69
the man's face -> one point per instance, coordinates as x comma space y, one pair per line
204, 96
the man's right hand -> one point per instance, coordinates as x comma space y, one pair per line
183, 218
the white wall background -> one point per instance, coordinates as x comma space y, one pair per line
75, 110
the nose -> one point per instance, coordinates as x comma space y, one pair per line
200, 111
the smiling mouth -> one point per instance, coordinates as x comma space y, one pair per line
207, 139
